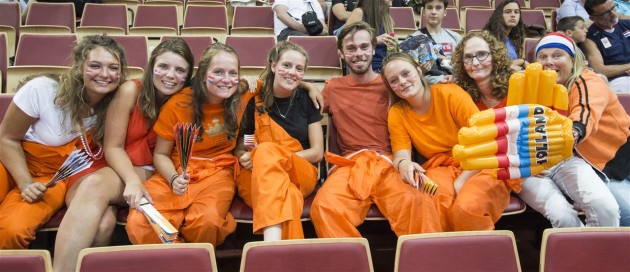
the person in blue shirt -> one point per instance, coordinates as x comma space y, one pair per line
506, 24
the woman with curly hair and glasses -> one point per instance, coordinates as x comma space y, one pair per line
483, 69
506, 24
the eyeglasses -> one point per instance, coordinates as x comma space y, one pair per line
610, 11
480, 56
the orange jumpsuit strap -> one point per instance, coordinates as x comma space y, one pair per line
268, 130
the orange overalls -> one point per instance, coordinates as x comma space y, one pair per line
280, 179
19, 220
363, 178
200, 214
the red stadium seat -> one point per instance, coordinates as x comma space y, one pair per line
104, 18
472, 21
323, 254
4, 61
5, 101
323, 61
624, 99
25, 260
250, 21
148, 258
197, 44
252, 52
206, 20
529, 46
520, 3
458, 251
50, 18
585, 249
404, 21
10, 24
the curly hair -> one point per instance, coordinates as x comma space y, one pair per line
496, 27
267, 76
501, 70
149, 106
72, 93
200, 92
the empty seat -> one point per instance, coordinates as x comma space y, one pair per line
253, 21
462, 4
458, 251
149, 258
521, 3
585, 249
155, 21
544, 4
50, 18
136, 52
103, 18
472, 21
323, 254
179, 6
534, 17
404, 21
30, 260
10, 24
206, 20
252, 52
197, 44
323, 61
33, 56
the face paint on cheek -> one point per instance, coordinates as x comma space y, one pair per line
281, 71
90, 73
157, 72
213, 79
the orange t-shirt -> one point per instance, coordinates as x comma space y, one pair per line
179, 108
359, 111
435, 131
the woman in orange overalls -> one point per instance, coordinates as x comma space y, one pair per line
48, 119
279, 172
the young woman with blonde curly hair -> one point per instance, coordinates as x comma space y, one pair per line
483, 69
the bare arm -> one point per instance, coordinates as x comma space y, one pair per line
355, 16
316, 139
340, 12
314, 93
12, 131
284, 17
116, 125
164, 165
462, 178
596, 61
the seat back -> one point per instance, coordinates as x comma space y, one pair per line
534, 17
179, 7
156, 16
110, 15
585, 249
10, 13
149, 258
253, 21
252, 52
472, 21
404, 21
136, 49
529, 47
544, 4
462, 4
35, 49
197, 44
624, 99
51, 14
323, 254
4, 61
323, 61
25, 260
206, 16
521, 3
458, 251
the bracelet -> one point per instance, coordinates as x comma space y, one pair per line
398, 165
173, 177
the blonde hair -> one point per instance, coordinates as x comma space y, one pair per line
71, 93
393, 98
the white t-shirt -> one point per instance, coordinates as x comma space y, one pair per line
295, 8
448, 39
36, 99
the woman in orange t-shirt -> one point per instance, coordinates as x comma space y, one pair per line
429, 119
201, 197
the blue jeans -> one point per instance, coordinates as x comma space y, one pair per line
621, 191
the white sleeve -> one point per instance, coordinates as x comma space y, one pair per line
318, 9
35, 95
